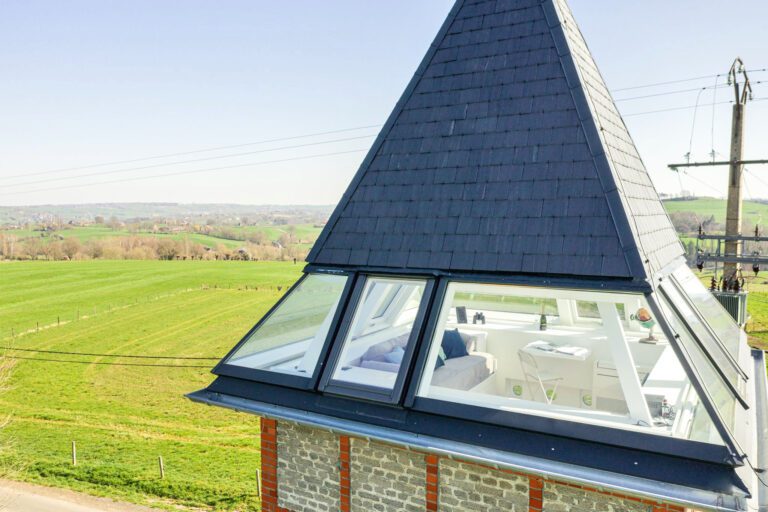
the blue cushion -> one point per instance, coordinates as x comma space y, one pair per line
396, 356
453, 345
439, 362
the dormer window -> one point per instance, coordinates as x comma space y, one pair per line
291, 339
372, 357
573, 355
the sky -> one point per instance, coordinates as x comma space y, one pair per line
91, 82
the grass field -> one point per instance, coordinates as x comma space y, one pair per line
706, 206
124, 417
302, 232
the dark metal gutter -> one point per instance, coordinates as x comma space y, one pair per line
761, 412
634, 486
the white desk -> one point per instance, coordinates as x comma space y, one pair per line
541, 348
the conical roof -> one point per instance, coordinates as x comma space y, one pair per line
506, 153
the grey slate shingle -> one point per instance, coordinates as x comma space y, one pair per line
506, 153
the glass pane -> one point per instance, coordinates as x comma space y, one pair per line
586, 309
616, 370
704, 336
378, 336
723, 399
711, 310
291, 339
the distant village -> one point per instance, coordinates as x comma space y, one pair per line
284, 234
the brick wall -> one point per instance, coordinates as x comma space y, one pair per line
307, 469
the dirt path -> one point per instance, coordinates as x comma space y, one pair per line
22, 497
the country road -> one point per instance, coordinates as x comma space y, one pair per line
22, 497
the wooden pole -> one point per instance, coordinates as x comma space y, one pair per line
735, 181
74, 453
258, 482
161, 466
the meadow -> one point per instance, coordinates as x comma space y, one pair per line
124, 417
303, 233
704, 207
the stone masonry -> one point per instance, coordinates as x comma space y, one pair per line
471, 487
307, 468
566, 498
386, 479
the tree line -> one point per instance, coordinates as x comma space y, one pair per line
138, 248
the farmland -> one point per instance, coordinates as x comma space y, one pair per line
704, 207
124, 417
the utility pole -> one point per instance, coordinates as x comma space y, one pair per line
743, 93
732, 282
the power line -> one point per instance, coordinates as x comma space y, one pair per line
657, 84
182, 153
102, 363
679, 91
60, 352
138, 178
681, 108
153, 166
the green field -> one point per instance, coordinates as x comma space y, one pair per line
306, 233
124, 417
706, 206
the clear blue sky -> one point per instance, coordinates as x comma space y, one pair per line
86, 82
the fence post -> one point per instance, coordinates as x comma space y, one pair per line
74, 453
162, 467
258, 483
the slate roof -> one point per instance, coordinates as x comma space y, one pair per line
506, 153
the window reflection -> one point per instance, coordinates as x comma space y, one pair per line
588, 356
291, 339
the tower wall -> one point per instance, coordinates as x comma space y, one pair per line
309, 469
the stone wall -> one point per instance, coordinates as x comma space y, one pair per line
307, 469
567, 498
471, 487
386, 479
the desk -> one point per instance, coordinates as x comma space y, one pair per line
541, 348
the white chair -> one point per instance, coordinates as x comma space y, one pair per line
533, 375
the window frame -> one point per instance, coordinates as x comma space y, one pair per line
724, 352
354, 390
703, 346
224, 368
728, 453
534, 292
706, 398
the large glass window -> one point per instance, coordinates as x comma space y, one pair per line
711, 310
722, 397
378, 338
705, 337
585, 356
291, 339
